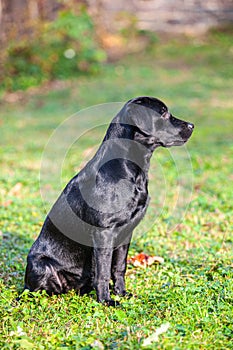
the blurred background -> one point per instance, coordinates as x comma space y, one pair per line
44, 40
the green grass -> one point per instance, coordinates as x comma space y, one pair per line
193, 289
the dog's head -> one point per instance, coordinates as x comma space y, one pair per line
153, 120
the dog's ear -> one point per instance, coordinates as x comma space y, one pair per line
139, 115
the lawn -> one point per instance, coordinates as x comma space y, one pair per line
189, 222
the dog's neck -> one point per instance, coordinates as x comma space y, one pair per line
128, 142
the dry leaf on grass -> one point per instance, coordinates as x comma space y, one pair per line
144, 260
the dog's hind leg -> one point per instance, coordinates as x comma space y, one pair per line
42, 274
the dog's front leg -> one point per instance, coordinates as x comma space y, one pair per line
103, 259
119, 262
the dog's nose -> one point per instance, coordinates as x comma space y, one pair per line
190, 126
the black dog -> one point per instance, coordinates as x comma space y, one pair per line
85, 238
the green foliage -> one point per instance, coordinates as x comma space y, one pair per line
61, 49
193, 289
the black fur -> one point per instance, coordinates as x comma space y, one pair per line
85, 238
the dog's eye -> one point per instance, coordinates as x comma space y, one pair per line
166, 115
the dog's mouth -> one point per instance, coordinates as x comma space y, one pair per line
173, 143
178, 142
180, 138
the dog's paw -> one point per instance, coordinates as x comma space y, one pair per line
111, 302
127, 295
123, 294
